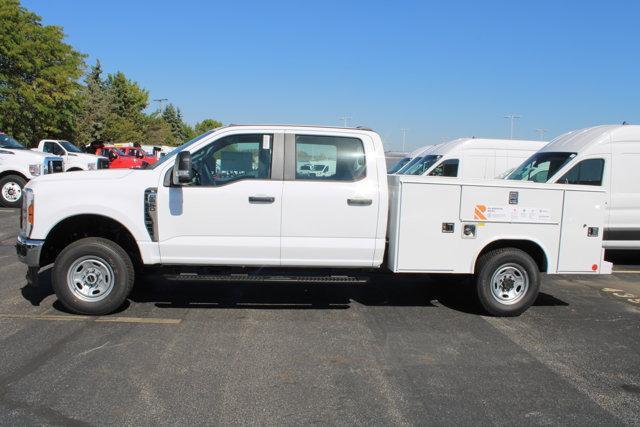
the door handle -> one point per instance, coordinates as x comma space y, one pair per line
261, 199
359, 202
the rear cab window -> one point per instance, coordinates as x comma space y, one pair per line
329, 158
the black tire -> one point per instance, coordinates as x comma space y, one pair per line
497, 260
17, 179
114, 256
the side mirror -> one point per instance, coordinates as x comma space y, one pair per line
182, 172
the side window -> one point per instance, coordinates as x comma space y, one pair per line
446, 168
52, 147
233, 158
335, 158
587, 172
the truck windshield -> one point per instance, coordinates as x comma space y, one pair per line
7, 142
180, 148
70, 147
541, 166
419, 165
399, 165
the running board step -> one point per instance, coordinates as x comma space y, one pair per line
265, 278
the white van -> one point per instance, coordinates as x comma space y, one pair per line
603, 156
473, 158
395, 162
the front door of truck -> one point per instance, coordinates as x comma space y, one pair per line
230, 212
330, 201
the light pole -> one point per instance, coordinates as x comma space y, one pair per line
345, 120
541, 133
512, 118
160, 101
404, 137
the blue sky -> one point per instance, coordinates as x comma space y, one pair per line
440, 69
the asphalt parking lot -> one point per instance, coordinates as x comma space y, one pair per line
387, 352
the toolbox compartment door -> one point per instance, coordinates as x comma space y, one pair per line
580, 245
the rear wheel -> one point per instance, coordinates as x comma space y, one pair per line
11, 191
93, 276
507, 282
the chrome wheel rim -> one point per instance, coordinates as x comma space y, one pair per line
90, 278
11, 191
509, 284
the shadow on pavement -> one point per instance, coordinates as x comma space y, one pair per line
453, 292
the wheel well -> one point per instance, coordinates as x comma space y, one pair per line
533, 249
74, 169
78, 227
5, 173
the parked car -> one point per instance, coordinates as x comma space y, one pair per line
473, 158
74, 158
18, 165
118, 159
606, 157
139, 153
199, 211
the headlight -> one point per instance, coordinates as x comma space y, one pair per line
35, 170
27, 214
92, 166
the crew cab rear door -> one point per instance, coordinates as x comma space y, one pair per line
329, 218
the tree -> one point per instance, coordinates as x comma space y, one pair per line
126, 120
39, 89
95, 107
173, 117
206, 125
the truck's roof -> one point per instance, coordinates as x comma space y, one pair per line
306, 127
461, 144
581, 139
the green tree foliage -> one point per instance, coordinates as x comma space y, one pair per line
39, 89
41, 95
95, 108
206, 125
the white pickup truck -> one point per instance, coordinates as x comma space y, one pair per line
18, 165
234, 199
74, 158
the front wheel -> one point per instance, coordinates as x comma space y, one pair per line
93, 276
507, 282
11, 191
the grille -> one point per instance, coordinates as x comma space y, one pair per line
103, 164
54, 166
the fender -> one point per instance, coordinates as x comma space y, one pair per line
551, 262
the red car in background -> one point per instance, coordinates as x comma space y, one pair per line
119, 159
139, 153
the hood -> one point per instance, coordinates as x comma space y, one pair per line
97, 175
28, 154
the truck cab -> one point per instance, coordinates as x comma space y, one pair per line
606, 157
74, 158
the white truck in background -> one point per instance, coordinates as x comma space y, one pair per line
74, 158
198, 211
18, 165
605, 157
471, 158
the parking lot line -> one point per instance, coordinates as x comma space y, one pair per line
146, 320
154, 320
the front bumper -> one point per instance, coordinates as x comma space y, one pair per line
28, 251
